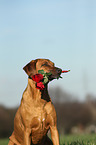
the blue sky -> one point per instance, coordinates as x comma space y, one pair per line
63, 31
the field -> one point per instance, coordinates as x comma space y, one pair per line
69, 140
4, 141
78, 139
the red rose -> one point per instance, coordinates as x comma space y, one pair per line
37, 78
65, 71
40, 86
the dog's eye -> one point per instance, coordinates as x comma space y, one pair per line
45, 64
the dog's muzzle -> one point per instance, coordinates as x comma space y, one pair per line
55, 73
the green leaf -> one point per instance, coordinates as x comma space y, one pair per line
60, 77
48, 74
45, 80
41, 71
57, 78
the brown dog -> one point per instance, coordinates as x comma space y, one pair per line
36, 114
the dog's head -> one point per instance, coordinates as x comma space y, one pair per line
32, 68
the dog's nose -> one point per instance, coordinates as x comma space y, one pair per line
59, 70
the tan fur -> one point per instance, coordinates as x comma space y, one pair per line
36, 113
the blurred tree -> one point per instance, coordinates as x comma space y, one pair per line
6, 121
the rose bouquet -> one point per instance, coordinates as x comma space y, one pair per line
42, 78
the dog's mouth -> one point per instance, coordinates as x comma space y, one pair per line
52, 77
55, 74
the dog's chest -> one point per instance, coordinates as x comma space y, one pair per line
39, 119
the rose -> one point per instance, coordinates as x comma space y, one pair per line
45, 76
40, 86
65, 71
42, 78
37, 78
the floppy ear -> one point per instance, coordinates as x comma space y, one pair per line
30, 68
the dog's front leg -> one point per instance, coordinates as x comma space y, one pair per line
54, 135
27, 137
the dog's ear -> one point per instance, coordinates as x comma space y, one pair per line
30, 68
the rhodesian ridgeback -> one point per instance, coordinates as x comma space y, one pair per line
36, 113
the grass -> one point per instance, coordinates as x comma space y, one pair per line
78, 139
4, 141
69, 140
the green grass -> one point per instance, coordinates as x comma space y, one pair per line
4, 141
69, 140
78, 139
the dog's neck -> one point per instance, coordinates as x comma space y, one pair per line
34, 93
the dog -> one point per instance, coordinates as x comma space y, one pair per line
36, 113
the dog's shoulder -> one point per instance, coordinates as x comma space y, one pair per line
51, 113
49, 107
